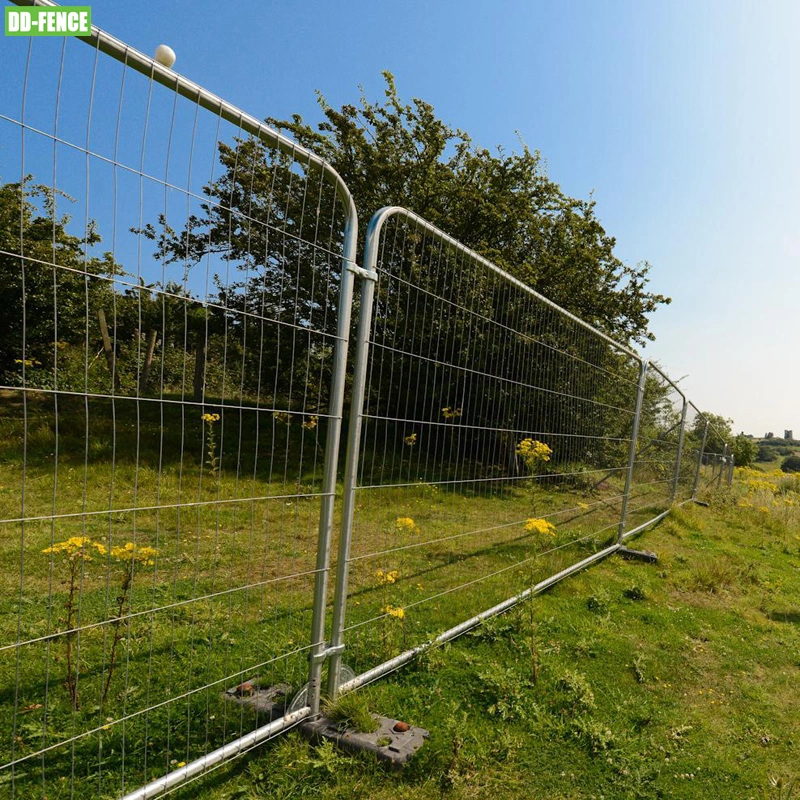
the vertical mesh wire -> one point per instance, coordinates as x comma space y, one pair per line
494, 444
169, 291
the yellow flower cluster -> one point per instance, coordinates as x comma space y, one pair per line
540, 526
761, 486
76, 545
394, 611
28, 362
451, 413
311, 422
749, 472
81, 545
387, 577
210, 418
531, 448
284, 417
533, 453
142, 554
411, 439
406, 524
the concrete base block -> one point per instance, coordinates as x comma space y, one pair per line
395, 742
638, 555
269, 702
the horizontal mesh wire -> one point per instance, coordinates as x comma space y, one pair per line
494, 444
169, 289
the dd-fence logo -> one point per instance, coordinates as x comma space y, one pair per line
60, 21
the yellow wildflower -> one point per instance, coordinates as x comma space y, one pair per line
406, 524
283, 417
533, 453
540, 526
311, 422
387, 577
130, 552
394, 611
451, 413
411, 439
210, 418
761, 486
76, 545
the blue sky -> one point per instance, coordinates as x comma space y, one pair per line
683, 118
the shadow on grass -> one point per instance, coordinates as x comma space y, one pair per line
784, 616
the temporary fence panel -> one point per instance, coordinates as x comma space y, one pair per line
714, 461
175, 316
659, 471
490, 451
177, 283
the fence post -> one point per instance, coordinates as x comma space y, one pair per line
679, 458
699, 462
730, 471
370, 276
723, 467
637, 415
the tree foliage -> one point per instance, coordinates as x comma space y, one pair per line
791, 464
745, 450
501, 204
44, 304
719, 431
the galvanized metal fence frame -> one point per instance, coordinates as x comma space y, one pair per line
680, 483
138, 62
677, 479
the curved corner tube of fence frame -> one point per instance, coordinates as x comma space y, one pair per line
371, 256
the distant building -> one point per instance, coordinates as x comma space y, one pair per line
787, 435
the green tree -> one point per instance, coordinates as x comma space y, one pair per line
50, 280
745, 450
719, 431
791, 464
501, 204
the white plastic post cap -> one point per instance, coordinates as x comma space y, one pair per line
165, 55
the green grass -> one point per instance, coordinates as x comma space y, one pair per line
228, 599
685, 688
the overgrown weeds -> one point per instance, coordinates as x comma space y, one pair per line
351, 710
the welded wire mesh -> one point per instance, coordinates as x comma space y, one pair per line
661, 472
494, 442
169, 290
713, 464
